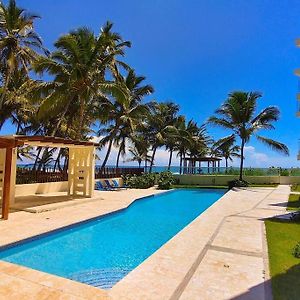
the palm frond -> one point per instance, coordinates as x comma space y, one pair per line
274, 145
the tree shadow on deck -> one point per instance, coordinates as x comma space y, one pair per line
40, 202
286, 286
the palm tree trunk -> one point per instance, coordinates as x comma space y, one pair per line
118, 157
37, 158
81, 118
226, 165
146, 162
180, 164
107, 154
57, 160
170, 159
152, 159
242, 159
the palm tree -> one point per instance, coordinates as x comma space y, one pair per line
141, 144
160, 124
19, 43
123, 112
185, 140
138, 155
79, 66
177, 134
237, 113
228, 150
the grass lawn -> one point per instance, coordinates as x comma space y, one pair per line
282, 237
295, 188
294, 202
191, 186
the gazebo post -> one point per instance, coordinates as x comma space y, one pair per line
6, 194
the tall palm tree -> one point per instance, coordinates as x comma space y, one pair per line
159, 125
20, 45
121, 113
79, 66
228, 150
141, 144
138, 155
237, 114
192, 141
176, 136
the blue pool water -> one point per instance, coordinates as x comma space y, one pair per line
102, 251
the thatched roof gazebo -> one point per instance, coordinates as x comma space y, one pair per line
81, 178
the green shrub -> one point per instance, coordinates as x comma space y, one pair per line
237, 183
144, 181
284, 172
296, 251
165, 180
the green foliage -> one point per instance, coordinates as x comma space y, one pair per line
296, 250
237, 183
144, 181
165, 180
284, 172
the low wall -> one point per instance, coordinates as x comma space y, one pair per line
49, 187
223, 179
41, 188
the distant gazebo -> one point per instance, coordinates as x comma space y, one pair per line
81, 169
193, 165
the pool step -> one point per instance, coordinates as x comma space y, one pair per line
100, 278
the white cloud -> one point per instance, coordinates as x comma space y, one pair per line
255, 158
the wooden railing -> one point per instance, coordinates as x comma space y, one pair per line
109, 172
27, 175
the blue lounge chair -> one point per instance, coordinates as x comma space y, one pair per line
116, 184
109, 185
101, 187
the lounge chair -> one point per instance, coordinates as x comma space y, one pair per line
101, 187
116, 184
109, 185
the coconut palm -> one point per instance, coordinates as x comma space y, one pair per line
139, 155
237, 114
227, 149
124, 107
79, 66
20, 45
160, 125
175, 136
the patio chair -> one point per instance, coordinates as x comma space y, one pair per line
109, 185
116, 184
101, 187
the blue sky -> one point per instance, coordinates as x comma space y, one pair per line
196, 52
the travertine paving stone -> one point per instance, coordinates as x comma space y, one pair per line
250, 234
225, 276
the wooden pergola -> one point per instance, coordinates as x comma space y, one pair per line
190, 164
81, 177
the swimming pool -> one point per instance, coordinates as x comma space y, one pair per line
102, 251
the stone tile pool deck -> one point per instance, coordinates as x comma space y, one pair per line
222, 254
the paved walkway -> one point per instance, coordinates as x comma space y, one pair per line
235, 263
220, 255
